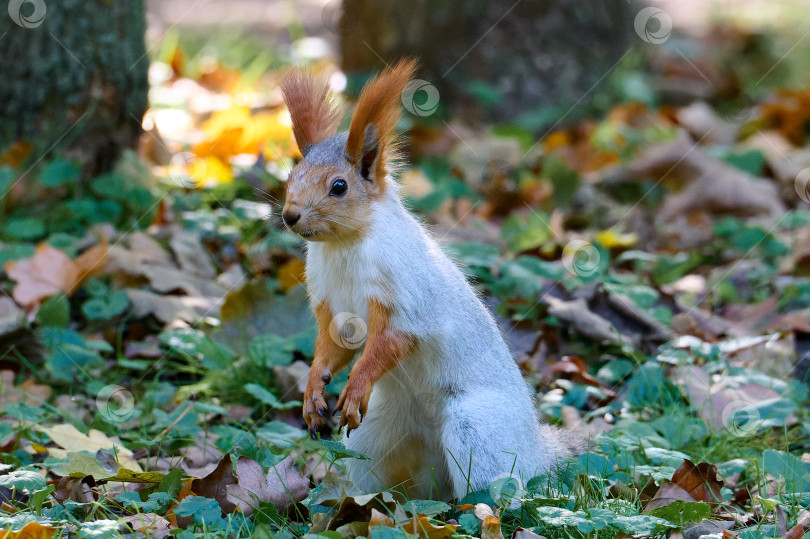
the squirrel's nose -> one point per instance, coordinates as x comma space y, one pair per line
291, 216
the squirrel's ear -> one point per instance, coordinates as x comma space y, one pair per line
371, 142
314, 113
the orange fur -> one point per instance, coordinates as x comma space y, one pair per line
384, 350
378, 107
330, 357
314, 113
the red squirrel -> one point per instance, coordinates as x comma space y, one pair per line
435, 399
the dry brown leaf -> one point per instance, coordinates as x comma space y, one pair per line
77, 489
668, 493
380, 519
491, 528
422, 526
168, 309
707, 184
50, 272
523, 533
282, 485
149, 524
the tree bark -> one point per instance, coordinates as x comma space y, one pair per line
508, 58
75, 77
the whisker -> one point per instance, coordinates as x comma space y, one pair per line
267, 196
339, 223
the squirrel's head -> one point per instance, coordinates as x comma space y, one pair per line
331, 191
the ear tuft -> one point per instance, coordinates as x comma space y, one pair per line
313, 110
378, 111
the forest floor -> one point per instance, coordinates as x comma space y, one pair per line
649, 266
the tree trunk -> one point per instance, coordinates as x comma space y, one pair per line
74, 77
514, 58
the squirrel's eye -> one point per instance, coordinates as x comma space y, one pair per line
339, 188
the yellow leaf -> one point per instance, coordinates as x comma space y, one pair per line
291, 274
69, 438
610, 239
209, 171
32, 530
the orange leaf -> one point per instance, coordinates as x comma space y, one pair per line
32, 530
423, 527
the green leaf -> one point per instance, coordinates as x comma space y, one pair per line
25, 228
55, 312
205, 511
23, 480
475, 253
280, 434
426, 507
524, 233
680, 512
172, 483
39, 497
781, 464
564, 180
99, 529
339, 451
384, 532
264, 396
106, 307
7, 178
59, 172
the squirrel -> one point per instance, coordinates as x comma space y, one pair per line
435, 399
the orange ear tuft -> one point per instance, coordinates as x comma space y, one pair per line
377, 114
314, 113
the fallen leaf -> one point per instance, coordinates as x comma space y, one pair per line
380, 519
70, 439
149, 524
32, 530
168, 309
690, 483
282, 485
51, 271
422, 526
291, 274
491, 528
76, 489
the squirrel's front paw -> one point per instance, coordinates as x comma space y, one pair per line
353, 403
315, 409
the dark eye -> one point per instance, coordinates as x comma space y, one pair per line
339, 188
